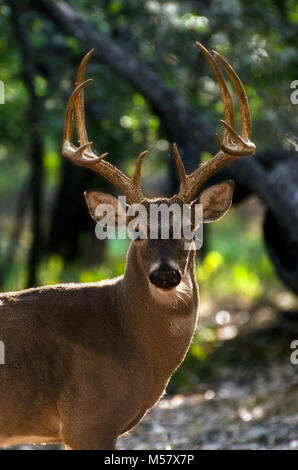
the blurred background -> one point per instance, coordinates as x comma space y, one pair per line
151, 87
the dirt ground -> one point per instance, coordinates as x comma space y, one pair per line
249, 403
255, 410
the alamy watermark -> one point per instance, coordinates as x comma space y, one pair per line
294, 94
159, 221
294, 355
2, 92
2, 352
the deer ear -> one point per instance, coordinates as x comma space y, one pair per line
216, 201
107, 207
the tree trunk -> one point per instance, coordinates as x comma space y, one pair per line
36, 147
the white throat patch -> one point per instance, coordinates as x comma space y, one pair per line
175, 296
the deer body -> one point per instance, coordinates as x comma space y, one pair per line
79, 354
84, 362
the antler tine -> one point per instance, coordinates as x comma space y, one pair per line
233, 145
76, 154
83, 155
136, 179
79, 104
180, 167
241, 95
79, 108
225, 93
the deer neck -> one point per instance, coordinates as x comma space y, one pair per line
163, 324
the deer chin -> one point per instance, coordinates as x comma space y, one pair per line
179, 294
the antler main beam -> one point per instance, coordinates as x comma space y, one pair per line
233, 145
84, 155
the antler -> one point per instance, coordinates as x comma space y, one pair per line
233, 145
84, 155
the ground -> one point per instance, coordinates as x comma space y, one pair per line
241, 410
247, 398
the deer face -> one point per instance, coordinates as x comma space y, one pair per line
159, 237
161, 253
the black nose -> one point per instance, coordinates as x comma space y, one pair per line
165, 277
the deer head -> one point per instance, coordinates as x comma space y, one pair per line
164, 262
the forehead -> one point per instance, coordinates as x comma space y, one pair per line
164, 247
160, 222
162, 209
162, 216
147, 203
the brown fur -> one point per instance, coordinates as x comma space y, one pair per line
85, 362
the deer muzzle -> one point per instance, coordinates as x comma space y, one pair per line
165, 277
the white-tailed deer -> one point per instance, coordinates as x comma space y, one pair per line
84, 362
